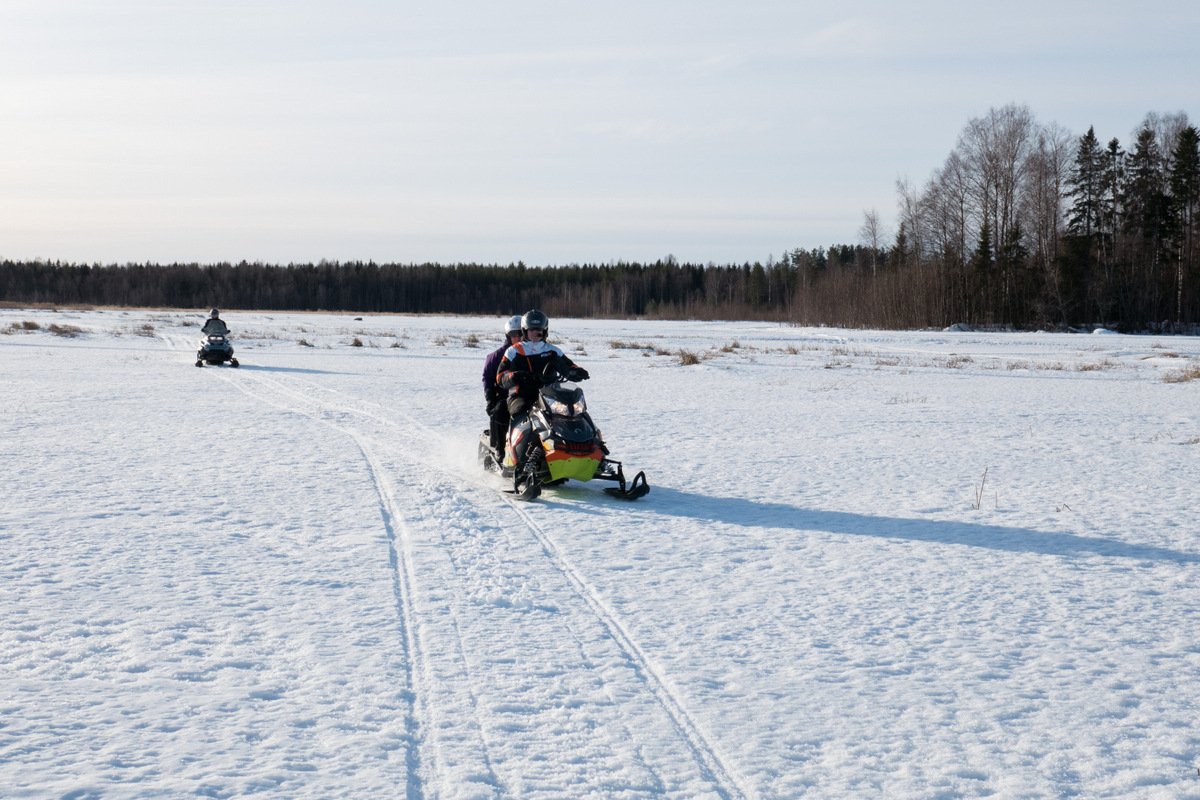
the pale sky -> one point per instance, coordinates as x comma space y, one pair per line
549, 132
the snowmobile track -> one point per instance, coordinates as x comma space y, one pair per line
402, 583
713, 767
443, 755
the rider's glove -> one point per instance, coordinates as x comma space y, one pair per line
578, 374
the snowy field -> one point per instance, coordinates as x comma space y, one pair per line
871, 564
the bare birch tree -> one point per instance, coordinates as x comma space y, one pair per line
870, 236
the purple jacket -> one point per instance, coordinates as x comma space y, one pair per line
492, 391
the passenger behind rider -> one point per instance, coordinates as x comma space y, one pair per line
523, 364
494, 396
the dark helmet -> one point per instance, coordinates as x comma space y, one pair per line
214, 314
535, 319
513, 325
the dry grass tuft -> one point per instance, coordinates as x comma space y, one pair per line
1190, 373
1103, 364
687, 358
905, 399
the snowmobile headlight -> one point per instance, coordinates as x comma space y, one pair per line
564, 409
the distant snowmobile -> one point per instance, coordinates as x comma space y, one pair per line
214, 344
215, 349
565, 445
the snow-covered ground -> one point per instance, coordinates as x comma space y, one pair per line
871, 564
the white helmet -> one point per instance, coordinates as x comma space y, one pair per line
214, 314
513, 326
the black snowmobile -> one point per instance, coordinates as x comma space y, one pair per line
562, 444
215, 349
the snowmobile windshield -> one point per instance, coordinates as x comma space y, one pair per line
564, 402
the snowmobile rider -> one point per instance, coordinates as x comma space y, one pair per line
214, 325
521, 367
494, 396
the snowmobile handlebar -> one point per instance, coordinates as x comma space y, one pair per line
555, 371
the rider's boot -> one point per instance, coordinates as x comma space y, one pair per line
518, 440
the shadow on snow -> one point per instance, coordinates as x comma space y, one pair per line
748, 513
299, 370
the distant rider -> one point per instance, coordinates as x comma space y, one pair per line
497, 408
521, 369
214, 325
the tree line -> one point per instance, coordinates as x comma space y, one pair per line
1027, 225
665, 288
1024, 225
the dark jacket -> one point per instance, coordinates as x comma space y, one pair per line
491, 389
215, 326
529, 357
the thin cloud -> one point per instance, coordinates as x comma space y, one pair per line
853, 36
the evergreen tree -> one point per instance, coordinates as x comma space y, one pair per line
1087, 187
1184, 181
1111, 205
756, 285
1108, 213
1146, 226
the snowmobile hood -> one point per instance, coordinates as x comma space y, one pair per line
564, 401
564, 394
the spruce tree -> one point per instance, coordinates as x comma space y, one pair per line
1087, 186
1146, 226
1111, 205
1184, 181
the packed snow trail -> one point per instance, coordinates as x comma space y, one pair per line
457, 751
370, 429
715, 767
